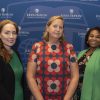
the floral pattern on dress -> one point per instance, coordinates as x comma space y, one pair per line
53, 86
53, 68
53, 65
53, 48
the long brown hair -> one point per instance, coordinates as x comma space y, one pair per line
46, 35
3, 51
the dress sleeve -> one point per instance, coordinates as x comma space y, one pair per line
4, 95
33, 53
73, 57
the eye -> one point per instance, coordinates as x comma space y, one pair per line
7, 32
91, 36
14, 33
98, 37
55, 26
61, 27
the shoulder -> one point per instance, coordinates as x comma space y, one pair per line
67, 45
2, 62
81, 53
37, 44
1, 59
97, 52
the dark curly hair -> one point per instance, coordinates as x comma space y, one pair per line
97, 28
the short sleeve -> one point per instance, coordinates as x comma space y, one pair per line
33, 54
72, 53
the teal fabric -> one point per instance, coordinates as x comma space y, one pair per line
17, 68
91, 81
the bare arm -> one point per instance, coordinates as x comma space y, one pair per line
74, 81
31, 70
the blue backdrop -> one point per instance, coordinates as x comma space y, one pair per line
32, 15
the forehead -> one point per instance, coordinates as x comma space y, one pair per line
8, 26
95, 32
57, 21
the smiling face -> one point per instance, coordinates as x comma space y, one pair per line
55, 29
94, 39
8, 35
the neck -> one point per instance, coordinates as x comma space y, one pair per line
9, 49
92, 49
53, 41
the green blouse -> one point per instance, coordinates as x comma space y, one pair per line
18, 70
91, 81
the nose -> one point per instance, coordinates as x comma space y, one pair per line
11, 35
94, 38
58, 29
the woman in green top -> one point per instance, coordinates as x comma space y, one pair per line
11, 70
89, 67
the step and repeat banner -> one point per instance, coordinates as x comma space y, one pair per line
32, 16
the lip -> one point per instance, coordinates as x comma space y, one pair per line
58, 33
11, 41
93, 43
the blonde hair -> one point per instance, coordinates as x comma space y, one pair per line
46, 35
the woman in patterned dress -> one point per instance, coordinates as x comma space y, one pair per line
52, 69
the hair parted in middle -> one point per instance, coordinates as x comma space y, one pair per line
46, 34
3, 51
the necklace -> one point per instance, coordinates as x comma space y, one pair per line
90, 52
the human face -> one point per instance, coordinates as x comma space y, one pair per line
8, 35
55, 29
94, 39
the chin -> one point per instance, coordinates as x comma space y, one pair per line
11, 44
94, 46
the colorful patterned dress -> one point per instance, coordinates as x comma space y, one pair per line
53, 68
